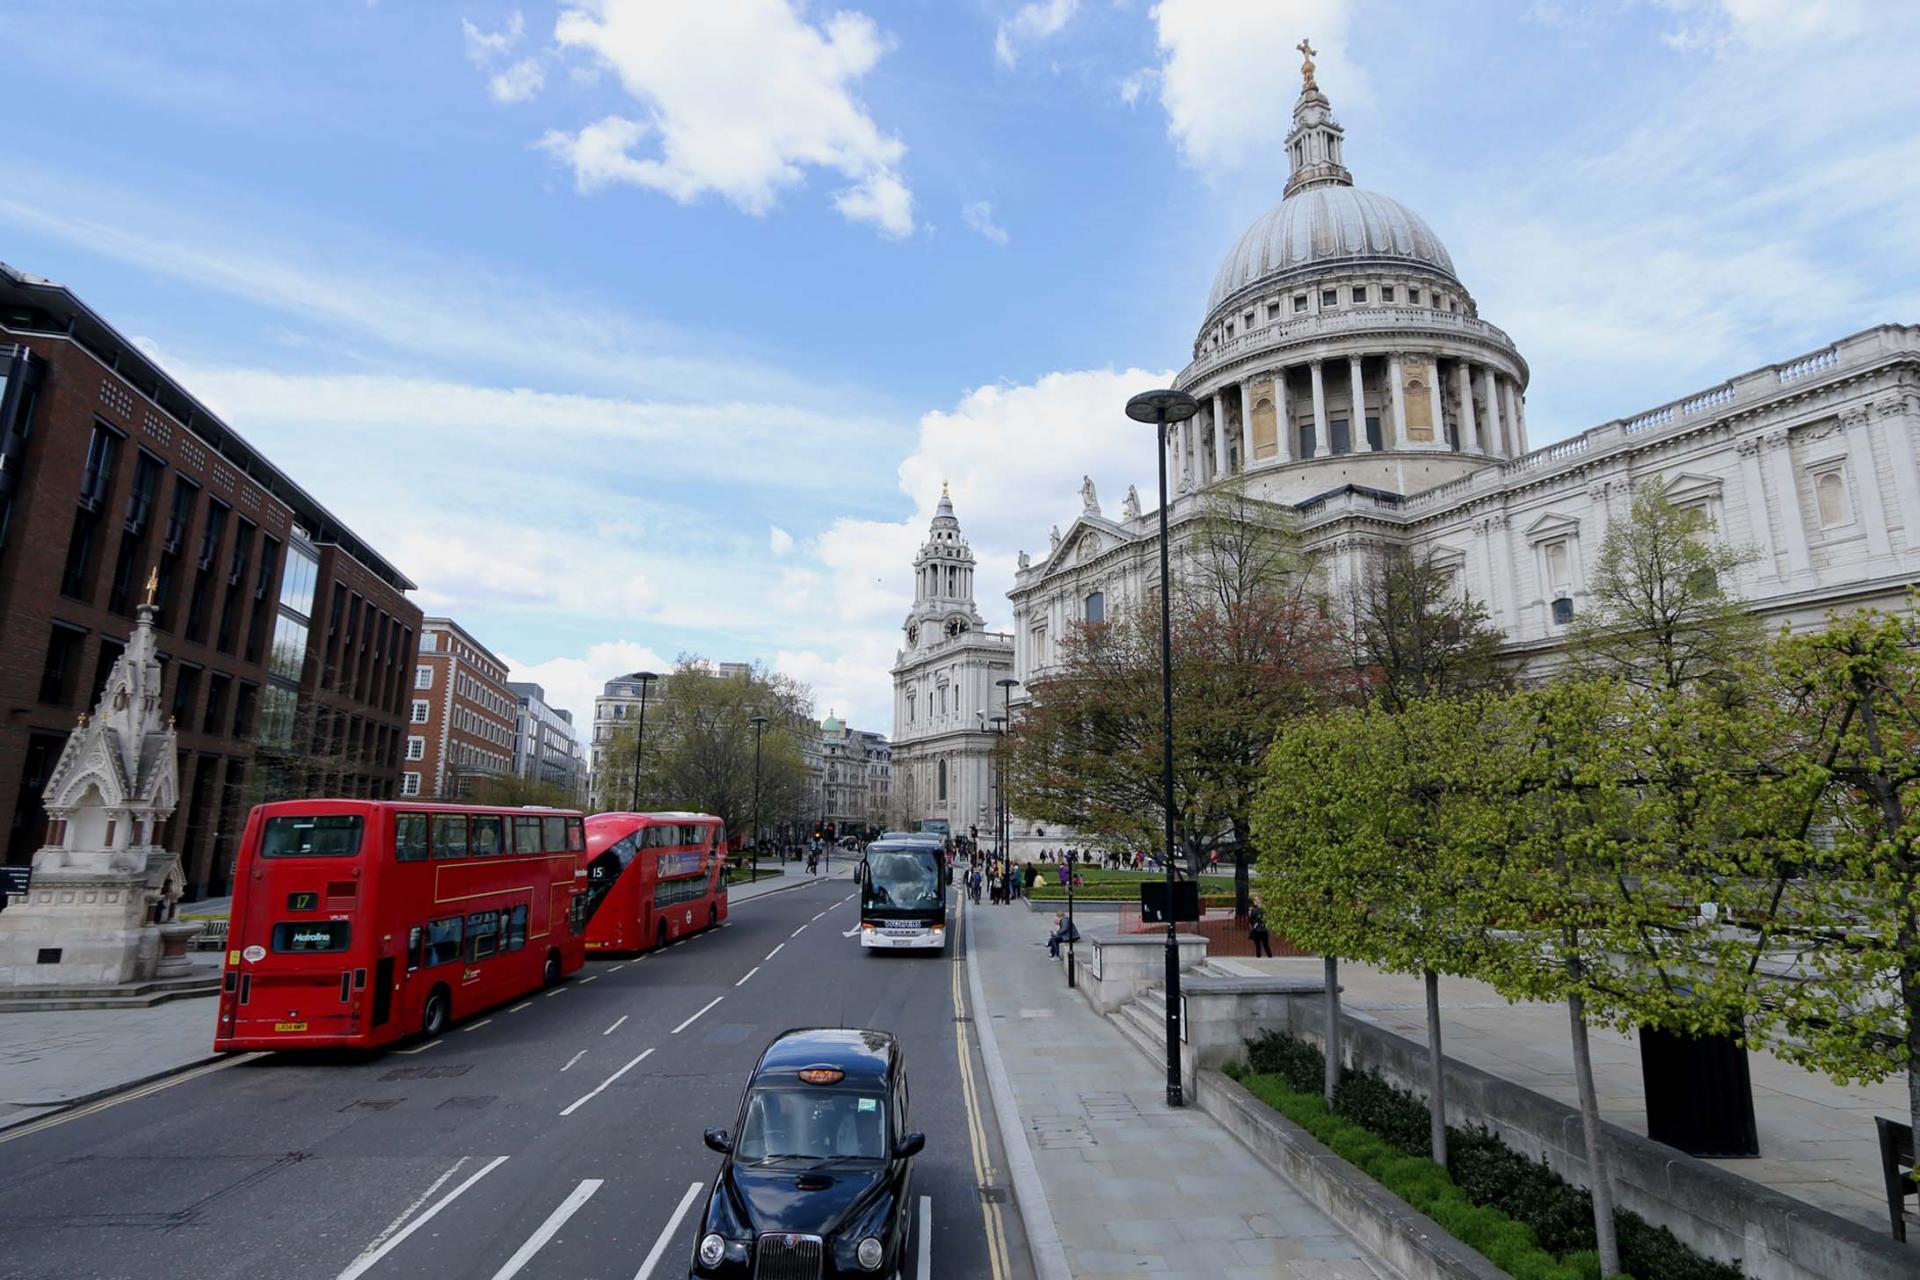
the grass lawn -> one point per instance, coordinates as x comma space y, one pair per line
1100, 883
742, 872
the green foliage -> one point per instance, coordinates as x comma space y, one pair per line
1486, 1173
1419, 636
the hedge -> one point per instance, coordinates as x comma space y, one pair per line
1487, 1173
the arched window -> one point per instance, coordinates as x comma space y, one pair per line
1096, 610
942, 772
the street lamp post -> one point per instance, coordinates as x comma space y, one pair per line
640, 742
1163, 408
759, 724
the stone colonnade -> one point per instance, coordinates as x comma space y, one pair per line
1407, 401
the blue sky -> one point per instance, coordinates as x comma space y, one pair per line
635, 327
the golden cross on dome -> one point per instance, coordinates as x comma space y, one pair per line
1306, 65
943, 489
153, 584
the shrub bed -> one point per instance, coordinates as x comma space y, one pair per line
1483, 1170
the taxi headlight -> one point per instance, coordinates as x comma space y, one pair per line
869, 1253
712, 1250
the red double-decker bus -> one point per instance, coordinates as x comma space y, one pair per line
652, 878
357, 922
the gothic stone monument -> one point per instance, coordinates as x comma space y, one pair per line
104, 893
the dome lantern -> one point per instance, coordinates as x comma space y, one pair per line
1313, 148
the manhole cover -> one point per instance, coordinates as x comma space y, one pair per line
426, 1073
373, 1104
992, 1195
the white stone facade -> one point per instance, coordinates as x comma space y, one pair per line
1811, 462
945, 695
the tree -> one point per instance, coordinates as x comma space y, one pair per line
1660, 614
698, 752
512, 790
1859, 705
1416, 632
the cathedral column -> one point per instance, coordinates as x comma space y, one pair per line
1220, 434
1398, 437
1786, 493
1497, 441
1866, 482
1357, 421
1469, 426
1246, 426
1518, 403
1516, 439
1322, 444
1184, 468
1283, 415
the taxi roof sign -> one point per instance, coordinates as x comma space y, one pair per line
822, 1075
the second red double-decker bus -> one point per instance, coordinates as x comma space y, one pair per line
357, 922
652, 878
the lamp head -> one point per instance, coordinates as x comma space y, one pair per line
1006, 682
1165, 405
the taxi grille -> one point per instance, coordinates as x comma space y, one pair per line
787, 1257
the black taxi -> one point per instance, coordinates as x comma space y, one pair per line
815, 1180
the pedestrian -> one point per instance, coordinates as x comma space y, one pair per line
1063, 931
1257, 931
1213, 862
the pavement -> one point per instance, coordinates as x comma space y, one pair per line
1130, 1187
1817, 1139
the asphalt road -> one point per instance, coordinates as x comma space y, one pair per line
558, 1136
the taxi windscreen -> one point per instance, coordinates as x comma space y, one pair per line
812, 1124
312, 836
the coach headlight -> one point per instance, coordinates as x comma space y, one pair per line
870, 1253
713, 1250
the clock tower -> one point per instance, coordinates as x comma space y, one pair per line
944, 695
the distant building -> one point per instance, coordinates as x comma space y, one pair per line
854, 789
285, 640
461, 722
544, 746
615, 710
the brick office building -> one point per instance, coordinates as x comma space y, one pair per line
285, 639
461, 722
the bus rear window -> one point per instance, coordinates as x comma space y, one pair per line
312, 935
312, 836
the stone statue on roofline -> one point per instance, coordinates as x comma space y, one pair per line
1131, 507
1089, 501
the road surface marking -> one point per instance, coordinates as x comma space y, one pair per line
21, 1131
601, 1087
616, 1025
365, 1261
924, 1262
690, 1021
749, 974
983, 1173
556, 991
517, 1008
475, 1026
585, 981
797, 932
771, 954
816, 916
666, 1233
575, 1058
418, 1200
617, 968
419, 1048
548, 1229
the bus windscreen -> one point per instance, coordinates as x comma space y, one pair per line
907, 881
312, 836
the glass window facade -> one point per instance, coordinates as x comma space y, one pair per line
297, 582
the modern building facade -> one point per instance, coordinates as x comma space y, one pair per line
1347, 381
945, 695
544, 746
460, 726
116, 486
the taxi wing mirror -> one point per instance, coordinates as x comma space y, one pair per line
718, 1140
911, 1144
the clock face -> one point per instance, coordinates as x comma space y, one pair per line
913, 635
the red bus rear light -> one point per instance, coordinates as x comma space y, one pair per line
822, 1075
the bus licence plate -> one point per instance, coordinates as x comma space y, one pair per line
289, 1026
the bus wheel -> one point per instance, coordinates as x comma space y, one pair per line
550, 974
439, 1008
660, 938
713, 916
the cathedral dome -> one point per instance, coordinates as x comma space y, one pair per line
1319, 226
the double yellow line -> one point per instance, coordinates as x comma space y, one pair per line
114, 1100
983, 1171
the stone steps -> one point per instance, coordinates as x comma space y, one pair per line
132, 995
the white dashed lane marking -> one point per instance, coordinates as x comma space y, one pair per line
690, 1021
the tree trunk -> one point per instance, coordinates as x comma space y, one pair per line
1332, 1081
1600, 1182
1436, 1073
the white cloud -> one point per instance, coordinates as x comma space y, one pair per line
739, 99
779, 541
1137, 83
1225, 68
1030, 23
519, 82
1766, 24
979, 217
573, 683
484, 47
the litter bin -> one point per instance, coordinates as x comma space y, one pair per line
1699, 1095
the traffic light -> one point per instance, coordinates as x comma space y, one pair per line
816, 831
829, 831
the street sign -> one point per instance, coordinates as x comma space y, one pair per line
15, 880
1153, 901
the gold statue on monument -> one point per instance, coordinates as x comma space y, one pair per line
153, 585
1306, 66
